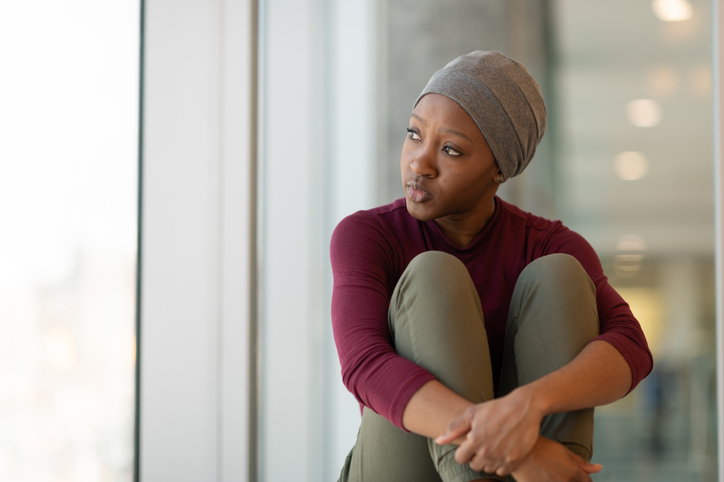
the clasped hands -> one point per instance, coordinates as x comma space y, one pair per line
501, 436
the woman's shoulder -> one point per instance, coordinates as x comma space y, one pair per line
544, 235
372, 238
383, 218
378, 227
512, 214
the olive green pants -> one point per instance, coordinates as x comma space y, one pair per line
437, 322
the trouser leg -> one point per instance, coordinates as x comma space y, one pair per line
437, 322
553, 315
385, 453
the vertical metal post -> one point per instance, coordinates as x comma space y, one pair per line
718, 19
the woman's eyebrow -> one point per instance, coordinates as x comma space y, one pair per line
453, 131
422, 121
446, 130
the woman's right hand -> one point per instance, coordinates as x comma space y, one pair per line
550, 461
496, 435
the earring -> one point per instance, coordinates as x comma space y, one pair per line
500, 179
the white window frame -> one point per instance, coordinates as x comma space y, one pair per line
197, 241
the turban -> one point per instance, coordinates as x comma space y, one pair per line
502, 98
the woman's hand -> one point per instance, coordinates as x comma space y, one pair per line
498, 434
550, 461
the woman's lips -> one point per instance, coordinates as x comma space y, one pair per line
416, 193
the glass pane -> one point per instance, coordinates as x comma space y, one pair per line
634, 148
626, 161
68, 201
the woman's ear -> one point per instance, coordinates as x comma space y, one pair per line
499, 178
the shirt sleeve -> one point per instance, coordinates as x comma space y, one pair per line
362, 256
618, 326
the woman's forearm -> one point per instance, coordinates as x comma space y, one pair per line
598, 376
432, 408
498, 435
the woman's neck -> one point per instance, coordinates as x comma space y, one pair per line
462, 229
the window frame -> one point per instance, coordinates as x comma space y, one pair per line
196, 328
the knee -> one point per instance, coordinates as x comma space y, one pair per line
436, 274
557, 271
437, 267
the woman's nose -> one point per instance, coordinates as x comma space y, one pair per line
423, 163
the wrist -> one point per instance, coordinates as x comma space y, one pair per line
538, 404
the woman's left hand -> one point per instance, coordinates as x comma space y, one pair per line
498, 434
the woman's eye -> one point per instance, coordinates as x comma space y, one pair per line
451, 151
413, 135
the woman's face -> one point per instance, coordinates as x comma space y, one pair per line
448, 170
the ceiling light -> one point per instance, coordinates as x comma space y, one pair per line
631, 165
629, 259
643, 112
627, 265
631, 242
672, 10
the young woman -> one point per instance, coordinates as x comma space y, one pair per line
477, 337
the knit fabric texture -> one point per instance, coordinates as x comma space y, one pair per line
502, 98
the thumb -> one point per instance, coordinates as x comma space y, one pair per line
587, 467
590, 468
459, 427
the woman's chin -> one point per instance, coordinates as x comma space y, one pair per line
419, 211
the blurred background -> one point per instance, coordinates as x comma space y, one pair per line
627, 161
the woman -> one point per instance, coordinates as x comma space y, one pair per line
476, 337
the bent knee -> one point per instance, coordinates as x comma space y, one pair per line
557, 267
436, 271
435, 261
436, 264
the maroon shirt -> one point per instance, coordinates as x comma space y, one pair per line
371, 249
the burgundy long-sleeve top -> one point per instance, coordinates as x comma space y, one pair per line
371, 249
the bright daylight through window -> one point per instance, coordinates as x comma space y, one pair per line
68, 203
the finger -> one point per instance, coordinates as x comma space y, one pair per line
590, 468
587, 467
506, 469
477, 463
465, 453
459, 427
509, 463
583, 477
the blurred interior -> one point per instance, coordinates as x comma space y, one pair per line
626, 162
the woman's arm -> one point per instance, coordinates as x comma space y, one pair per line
432, 409
496, 436
363, 256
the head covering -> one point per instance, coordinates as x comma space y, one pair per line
503, 100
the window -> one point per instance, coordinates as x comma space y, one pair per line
68, 204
